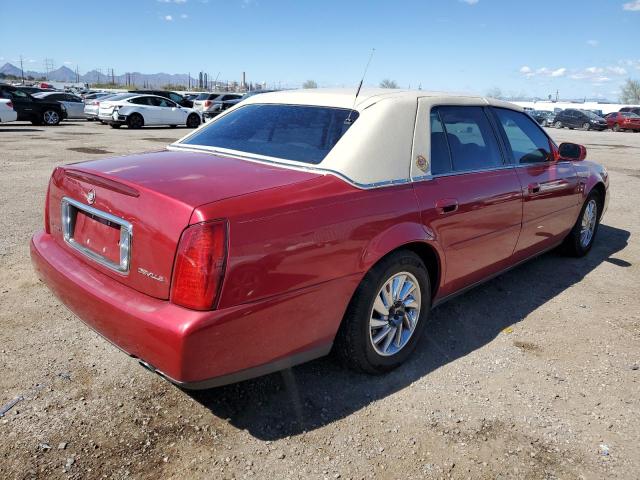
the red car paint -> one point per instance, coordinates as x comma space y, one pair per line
299, 244
623, 122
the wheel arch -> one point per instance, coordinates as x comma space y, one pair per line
412, 237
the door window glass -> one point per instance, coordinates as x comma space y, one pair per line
440, 158
528, 142
472, 143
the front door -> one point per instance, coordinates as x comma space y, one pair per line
550, 188
472, 203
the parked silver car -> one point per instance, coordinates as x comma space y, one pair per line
91, 107
211, 103
73, 103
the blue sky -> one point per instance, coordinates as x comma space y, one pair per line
579, 47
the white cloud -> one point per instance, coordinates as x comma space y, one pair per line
184, 15
617, 70
633, 6
525, 69
559, 72
168, 18
472, 2
593, 43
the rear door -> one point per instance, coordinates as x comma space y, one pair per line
146, 107
551, 190
472, 201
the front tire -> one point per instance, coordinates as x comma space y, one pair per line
616, 128
193, 120
386, 315
586, 126
135, 120
580, 240
558, 124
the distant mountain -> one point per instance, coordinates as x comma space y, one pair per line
62, 74
65, 74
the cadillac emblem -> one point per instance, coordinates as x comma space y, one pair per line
421, 163
91, 196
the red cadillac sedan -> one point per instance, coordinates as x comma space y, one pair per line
301, 222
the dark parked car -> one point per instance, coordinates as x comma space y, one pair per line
543, 117
35, 110
176, 97
635, 110
33, 90
573, 118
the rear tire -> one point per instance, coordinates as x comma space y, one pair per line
580, 239
587, 126
135, 120
616, 127
193, 120
370, 341
558, 124
51, 118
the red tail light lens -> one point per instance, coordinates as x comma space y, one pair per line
9, 104
199, 266
208, 103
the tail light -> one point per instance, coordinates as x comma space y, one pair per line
207, 103
97, 104
199, 266
9, 104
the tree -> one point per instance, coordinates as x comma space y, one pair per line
630, 92
386, 83
310, 84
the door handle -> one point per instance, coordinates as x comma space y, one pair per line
534, 188
446, 205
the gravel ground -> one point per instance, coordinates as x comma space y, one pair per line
533, 375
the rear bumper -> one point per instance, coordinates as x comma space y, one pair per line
190, 348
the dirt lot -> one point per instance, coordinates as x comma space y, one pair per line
533, 375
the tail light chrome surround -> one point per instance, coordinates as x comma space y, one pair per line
69, 209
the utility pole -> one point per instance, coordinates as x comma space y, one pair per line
21, 70
113, 81
48, 66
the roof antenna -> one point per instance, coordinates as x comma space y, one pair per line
348, 120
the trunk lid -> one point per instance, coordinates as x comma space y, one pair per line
124, 216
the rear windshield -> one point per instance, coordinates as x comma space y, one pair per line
122, 96
207, 96
290, 132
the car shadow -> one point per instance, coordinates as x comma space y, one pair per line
20, 130
315, 394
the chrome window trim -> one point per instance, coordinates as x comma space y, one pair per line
304, 168
423, 178
126, 235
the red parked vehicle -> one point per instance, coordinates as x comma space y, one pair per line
620, 121
300, 222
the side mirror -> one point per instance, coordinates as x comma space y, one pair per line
572, 151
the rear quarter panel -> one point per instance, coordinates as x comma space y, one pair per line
293, 237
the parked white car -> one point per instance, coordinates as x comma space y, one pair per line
138, 111
73, 103
7, 113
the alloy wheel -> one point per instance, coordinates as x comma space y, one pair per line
51, 117
395, 314
589, 220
